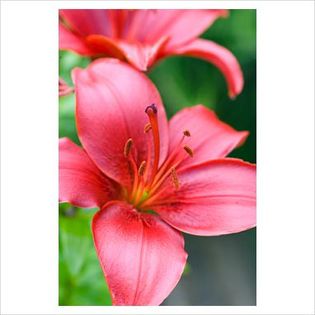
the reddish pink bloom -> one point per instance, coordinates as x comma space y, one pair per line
64, 88
142, 37
152, 179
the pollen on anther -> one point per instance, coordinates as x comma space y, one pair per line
189, 150
127, 147
175, 179
187, 133
147, 128
142, 168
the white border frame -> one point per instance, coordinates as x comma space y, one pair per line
29, 241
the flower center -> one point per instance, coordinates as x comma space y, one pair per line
148, 176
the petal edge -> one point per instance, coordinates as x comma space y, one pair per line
221, 57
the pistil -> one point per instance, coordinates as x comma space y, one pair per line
151, 111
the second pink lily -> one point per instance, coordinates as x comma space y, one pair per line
152, 179
143, 37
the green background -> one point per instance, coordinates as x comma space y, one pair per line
221, 270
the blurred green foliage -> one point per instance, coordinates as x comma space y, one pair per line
182, 82
67, 62
80, 276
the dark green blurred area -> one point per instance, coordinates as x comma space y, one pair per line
221, 270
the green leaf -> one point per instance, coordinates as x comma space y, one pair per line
81, 280
67, 126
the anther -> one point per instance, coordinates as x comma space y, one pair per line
151, 109
189, 150
186, 133
174, 178
147, 128
142, 168
127, 147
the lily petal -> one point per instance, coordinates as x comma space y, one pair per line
142, 56
85, 22
214, 198
210, 137
80, 182
103, 45
70, 41
141, 256
180, 26
111, 99
139, 55
221, 57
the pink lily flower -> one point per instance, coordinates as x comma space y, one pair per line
64, 88
150, 178
143, 37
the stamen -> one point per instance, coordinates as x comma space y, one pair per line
127, 147
147, 128
189, 150
132, 167
187, 133
173, 158
175, 178
142, 168
151, 111
157, 192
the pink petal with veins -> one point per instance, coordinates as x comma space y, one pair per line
210, 137
141, 256
80, 182
214, 198
111, 99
